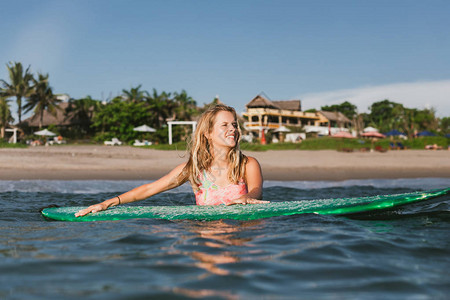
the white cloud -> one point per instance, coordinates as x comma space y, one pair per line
429, 94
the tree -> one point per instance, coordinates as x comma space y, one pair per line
385, 115
426, 119
5, 115
42, 99
82, 112
19, 86
135, 94
161, 105
118, 118
444, 125
185, 106
348, 109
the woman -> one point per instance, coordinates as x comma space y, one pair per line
217, 170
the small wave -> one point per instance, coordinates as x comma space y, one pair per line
101, 186
409, 183
75, 186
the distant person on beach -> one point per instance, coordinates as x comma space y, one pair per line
217, 170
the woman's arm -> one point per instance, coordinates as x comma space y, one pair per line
142, 192
254, 180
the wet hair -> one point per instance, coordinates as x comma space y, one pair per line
200, 152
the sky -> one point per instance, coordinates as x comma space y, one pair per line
322, 52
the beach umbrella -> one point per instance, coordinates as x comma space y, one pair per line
144, 128
370, 129
282, 129
343, 134
425, 133
394, 132
373, 134
45, 132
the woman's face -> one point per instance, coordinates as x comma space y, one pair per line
224, 132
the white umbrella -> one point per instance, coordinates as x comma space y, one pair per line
282, 129
45, 132
144, 128
370, 129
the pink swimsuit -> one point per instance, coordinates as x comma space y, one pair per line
211, 194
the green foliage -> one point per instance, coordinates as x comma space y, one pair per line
136, 106
383, 115
42, 98
185, 106
386, 115
180, 133
421, 142
322, 143
19, 85
5, 113
134, 94
274, 146
53, 128
348, 109
118, 118
4, 144
330, 143
81, 111
444, 125
423, 119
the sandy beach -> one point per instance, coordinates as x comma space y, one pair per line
131, 163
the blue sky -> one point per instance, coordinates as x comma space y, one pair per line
322, 52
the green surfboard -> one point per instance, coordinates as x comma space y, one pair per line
340, 206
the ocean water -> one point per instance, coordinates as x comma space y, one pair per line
401, 254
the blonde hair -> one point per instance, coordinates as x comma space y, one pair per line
200, 152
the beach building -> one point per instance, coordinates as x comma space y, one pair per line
331, 122
63, 117
59, 118
264, 114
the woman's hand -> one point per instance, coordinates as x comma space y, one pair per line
245, 200
91, 209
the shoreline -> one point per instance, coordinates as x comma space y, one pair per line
92, 162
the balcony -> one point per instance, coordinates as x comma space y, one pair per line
268, 125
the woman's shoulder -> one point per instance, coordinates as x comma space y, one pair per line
253, 172
252, 163
251, 160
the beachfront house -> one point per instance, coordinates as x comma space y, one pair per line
331, 122
64, 117
59, 119
264, 114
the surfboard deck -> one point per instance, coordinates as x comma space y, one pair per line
339, 206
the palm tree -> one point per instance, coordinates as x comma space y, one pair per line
134, 94
5, 115
82, 110
161, 105
19, 86
358, 123
185, 107
42, 98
